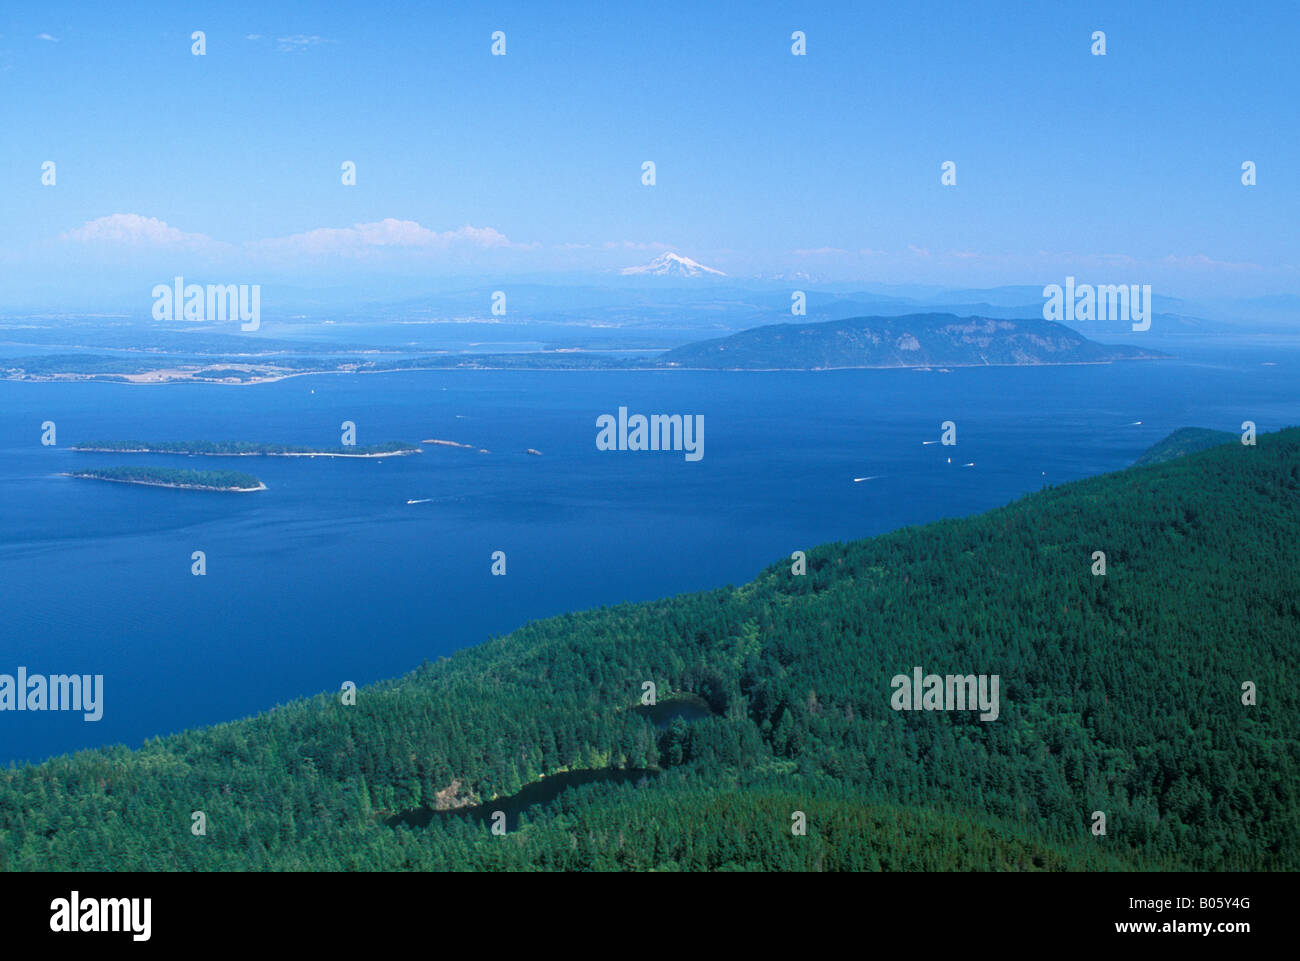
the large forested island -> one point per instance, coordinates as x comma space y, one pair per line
240, 448
205, 480
914, 340
1123, 693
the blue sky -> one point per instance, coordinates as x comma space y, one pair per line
1122, 168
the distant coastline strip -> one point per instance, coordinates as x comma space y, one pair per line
241, 448
223, 480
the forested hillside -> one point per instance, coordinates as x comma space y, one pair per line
221, 480
1184, 441
908, 341
1120, 693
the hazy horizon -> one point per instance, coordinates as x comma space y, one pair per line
528, 166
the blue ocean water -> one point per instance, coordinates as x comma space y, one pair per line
330, 576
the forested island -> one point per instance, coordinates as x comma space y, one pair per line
205, 480
913, 340
1123, 692
239, 448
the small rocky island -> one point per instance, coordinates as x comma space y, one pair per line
452, 443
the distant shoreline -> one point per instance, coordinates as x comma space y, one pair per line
261, 486
275, 378
255, 453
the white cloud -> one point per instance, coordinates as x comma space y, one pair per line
298, 41
381, 237
133, 230
253, 36
46, 36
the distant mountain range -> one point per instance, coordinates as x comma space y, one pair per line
671, 301
914, 340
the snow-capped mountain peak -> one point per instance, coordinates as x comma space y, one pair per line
669, 264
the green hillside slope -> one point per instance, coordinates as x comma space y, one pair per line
1184, 441
1120, 693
